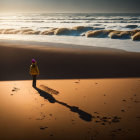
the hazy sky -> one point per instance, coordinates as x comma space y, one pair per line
70, 6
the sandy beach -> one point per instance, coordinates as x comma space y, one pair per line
82, 93
66, 62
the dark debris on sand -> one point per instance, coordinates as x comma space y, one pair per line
124, 100
134, 100
96, 112
43, 128
50, 114
138, 117
119, 131
123, 110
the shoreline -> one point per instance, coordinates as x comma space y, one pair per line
52, 45
38, 45
73, 42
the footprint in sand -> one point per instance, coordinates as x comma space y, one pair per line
107, 120
49, 90
15, 89
41, 117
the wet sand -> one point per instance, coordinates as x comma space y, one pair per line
66, 62
82, 93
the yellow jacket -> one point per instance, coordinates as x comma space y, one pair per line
34, 69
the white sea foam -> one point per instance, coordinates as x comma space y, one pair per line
12, 26
126, 45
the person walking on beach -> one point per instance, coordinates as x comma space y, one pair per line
34, 71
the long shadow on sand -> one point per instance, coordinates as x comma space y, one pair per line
82, 114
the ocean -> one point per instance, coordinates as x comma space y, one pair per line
33, 27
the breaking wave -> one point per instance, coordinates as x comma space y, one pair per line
79, 31
114, 26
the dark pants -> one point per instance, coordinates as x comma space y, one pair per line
34, 80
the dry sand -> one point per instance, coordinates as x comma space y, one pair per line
103, 106
81, 109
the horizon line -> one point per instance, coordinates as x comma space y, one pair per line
73, 12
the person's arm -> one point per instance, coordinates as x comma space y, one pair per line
37, 70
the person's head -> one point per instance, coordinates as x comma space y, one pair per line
33, 61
